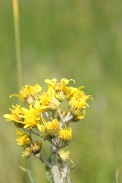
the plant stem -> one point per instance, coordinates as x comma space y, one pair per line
18, 61
55, 168
45, 161
116, 176
56, 174
17, 41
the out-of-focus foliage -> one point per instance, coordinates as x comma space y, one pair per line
73, 39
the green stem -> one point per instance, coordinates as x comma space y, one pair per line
116, 176
18, 61
45, 161
17, 42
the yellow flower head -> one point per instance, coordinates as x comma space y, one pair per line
65, 134
29, 94
58, 88
31, 117
64, 155
77, 103
23, 139
16, 114
48, 101
76, 106
69, 91
50, 128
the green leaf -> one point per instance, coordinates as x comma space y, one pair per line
49, 177
29, 174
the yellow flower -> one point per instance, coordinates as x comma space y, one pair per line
65, 134
29, 94
77, 103
81, 115
44, 100
59, 88
51, 83
56, 88
64, 155
76, 106
69, 91
48, 100
79, 94
16, 114
31, 117
54, 84
23, 139
65, 82
50, 128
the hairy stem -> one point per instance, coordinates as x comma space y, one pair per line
55, 168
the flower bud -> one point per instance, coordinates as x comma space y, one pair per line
27, 152
37, 146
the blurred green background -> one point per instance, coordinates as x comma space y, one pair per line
74, 39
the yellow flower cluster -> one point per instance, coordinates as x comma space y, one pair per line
44, 113
30, 147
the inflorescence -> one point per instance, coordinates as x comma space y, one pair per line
48, 115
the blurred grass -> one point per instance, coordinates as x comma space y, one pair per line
74, 39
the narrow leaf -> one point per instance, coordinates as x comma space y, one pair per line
29, 174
